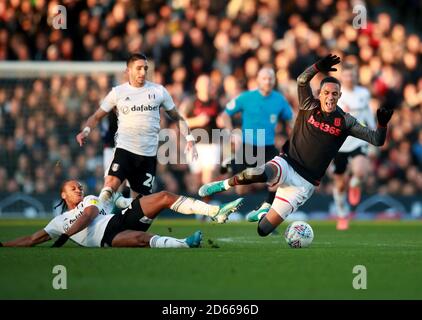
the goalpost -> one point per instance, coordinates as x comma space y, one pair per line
42, 106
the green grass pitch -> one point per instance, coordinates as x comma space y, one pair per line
233, 263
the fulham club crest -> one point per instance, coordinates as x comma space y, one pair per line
115, 167
337, 122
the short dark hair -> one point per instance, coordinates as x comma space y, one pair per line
135, 56
329, 80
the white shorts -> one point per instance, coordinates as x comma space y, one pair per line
208, 157
292, 189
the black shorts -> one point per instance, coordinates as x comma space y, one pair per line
270, 152
342, 159
138, 170
128, 219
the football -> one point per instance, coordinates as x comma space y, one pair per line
299, 234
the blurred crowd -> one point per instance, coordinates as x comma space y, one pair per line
228, 41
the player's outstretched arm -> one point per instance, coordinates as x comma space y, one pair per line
88, 215
91, 123
375, 137
306, 98
28, 241
184, 129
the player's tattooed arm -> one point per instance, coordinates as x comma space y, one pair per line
91, 123
306, 98
185, 131
306, 76
183, 125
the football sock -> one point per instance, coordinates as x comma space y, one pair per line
248, 176
340, 202
105, 194
167, 242
354, 182
265, 227
122, 202
187, 205
226, 184
265, 205
270, 197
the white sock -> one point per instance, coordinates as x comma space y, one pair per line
354, 182
341, 204
186, 205
122, 202
265, 205
226, 184
167, 242
105, 194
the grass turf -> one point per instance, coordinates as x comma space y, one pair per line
233, 263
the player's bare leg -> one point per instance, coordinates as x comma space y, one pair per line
360, 165
270, 221
242, 190
154, 203
249, 176
131, 238
342, 209
111, 184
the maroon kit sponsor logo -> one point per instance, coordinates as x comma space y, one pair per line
325, 126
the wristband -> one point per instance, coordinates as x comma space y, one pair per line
60, 241
86, 131
190, 138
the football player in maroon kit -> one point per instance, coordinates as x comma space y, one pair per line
319, 131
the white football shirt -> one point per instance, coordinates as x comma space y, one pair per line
356, 102
138, 115
92, 235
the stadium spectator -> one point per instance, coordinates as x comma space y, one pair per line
201, 115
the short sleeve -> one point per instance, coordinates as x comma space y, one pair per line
54, 228
92, 201
110, 101
234, 106
168, 102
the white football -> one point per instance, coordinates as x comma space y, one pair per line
299, 234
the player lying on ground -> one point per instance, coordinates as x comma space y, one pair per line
90, 224
319, 131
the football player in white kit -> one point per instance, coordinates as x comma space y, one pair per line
138, 104
89, 223
354, 100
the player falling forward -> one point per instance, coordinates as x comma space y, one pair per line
320, 129
90, 223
